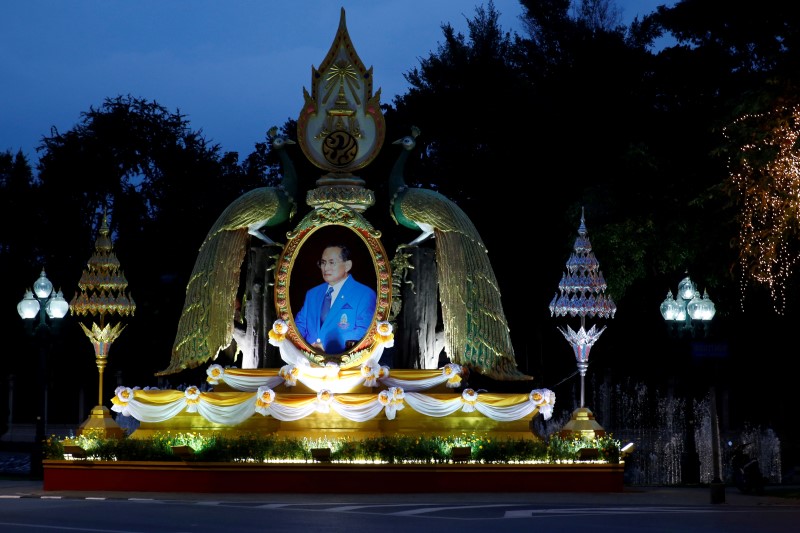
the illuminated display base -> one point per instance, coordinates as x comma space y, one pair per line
309, 478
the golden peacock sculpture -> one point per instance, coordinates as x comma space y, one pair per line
207, 320
476, 333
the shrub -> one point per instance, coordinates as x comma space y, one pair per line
391, 449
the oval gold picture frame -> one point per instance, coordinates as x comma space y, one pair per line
296, 272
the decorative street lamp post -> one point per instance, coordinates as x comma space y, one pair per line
689, 315
103, 293
688, 312
50, 307
582, 293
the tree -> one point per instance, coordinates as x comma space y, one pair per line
18, 267
523, 133
739, 69
470, 101
765, 179
16, 180
163, 186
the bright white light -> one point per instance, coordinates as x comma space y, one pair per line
28, 307
57, 306
42, 287
687, 289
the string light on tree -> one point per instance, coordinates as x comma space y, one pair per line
765, 177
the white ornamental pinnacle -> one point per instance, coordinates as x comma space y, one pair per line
582, 287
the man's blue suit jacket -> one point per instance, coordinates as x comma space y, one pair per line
349, 318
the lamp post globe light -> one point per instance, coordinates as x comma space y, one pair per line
688, 312
49, 307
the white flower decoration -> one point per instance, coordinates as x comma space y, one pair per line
383, 334
122, 395
264, 398
469, 397
384, 398
192, 395
280, 327
545, 400
289, 373
215, 373
370, 373
278, 332
324, 399
392, 400
398, 394
125, 394
453, 373
384, 328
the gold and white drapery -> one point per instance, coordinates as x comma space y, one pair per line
231, 408
331, 385
331, 377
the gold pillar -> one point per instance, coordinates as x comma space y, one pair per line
102, 295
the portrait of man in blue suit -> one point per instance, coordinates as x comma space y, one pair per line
340, 309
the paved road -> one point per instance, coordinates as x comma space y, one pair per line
25, 506
15, 482
12, 487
